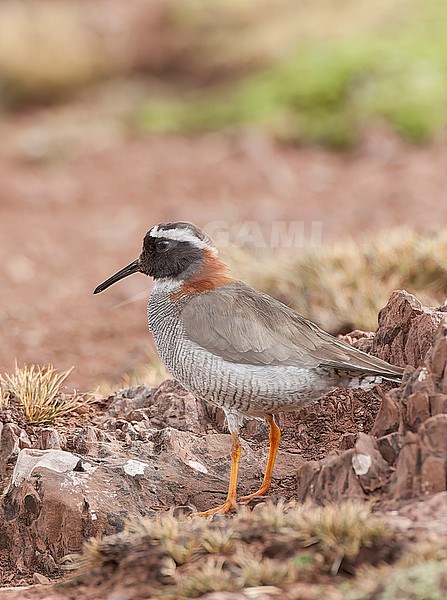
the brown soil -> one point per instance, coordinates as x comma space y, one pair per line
72, 216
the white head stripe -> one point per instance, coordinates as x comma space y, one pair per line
181, 234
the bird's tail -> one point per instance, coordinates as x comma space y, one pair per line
366, 381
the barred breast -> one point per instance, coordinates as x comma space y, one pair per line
249, 389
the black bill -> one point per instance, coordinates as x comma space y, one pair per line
134, 267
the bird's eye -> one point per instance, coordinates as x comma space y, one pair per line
163, 245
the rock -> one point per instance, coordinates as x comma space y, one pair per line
406, 330
29, 460
353, 474
49, 439
331, 478
178, 409
39, 578
368, 464
347, 441
422, 393
388, 417
438, 360
433, 454
359, 339
431, 515
91, 441
389, 447
421, 464
56, 499
12, 439
138, 396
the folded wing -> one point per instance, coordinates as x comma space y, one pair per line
243, 325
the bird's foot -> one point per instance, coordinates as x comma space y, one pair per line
223, 509
259, 495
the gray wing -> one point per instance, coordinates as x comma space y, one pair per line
243, 325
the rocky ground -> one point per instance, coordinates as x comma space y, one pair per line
142, 451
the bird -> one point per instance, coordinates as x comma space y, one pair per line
236, 347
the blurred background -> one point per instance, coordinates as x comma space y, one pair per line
309, 136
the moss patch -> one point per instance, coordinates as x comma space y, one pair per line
326, 91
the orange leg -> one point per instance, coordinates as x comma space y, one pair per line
230, 502
274, 436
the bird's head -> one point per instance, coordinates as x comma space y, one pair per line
175, 251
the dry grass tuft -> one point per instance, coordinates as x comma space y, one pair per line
338, 531
345, 284
219, 541
165, 527
257, 570
4, 394
213, 576
38, 390
276, 545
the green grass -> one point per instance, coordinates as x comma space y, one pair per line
326, 91
424, 581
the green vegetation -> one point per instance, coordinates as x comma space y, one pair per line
303, 72
327, 90
424, 581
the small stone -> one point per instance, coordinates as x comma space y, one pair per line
182, 511
134, 467
40, 579
118, 596
361, 463
137, 415
49, 439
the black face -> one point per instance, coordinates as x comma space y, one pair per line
162, 257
